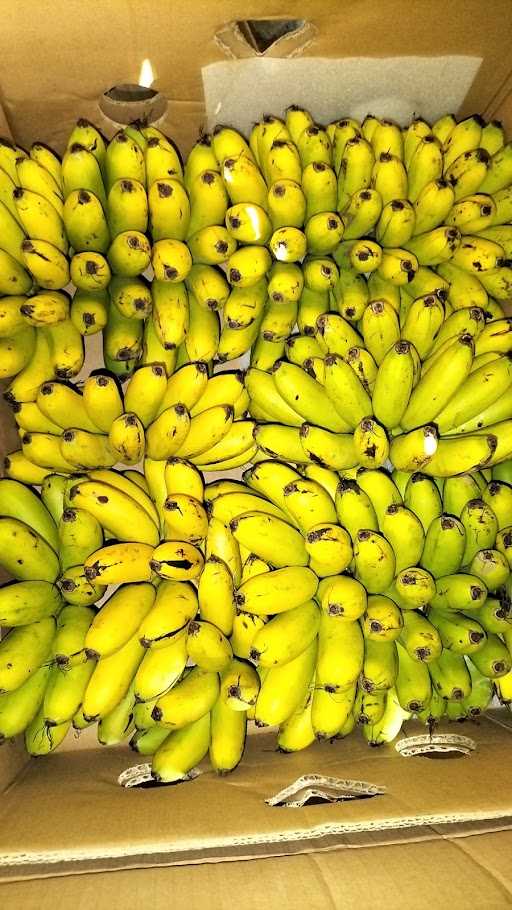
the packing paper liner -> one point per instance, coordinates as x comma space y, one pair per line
399, 88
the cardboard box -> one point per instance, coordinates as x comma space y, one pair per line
440, 833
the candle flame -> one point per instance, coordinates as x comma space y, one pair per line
147, 76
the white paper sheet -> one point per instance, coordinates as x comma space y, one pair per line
240, 92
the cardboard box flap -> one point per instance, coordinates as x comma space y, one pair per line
46, 84
70, 808
467, 872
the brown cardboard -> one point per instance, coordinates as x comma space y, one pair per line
434, 837
470, 871
59, 57
97, 824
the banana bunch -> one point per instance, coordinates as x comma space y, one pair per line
361, 269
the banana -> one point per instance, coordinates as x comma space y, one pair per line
265, 535
320, 188
19, 502
159, 670
123, 159
286, 204
380, 329
413, 684
131, 296
116, 510
389, 177
473, 213
355, 169
19, 707
382, 619
221, 544
434, 711
481, 525
171, 260
86, 134
245, 627
380, 666
26, 555
14, 231
263, 594
297, 119
68, 644
14, 278
361, 213
419, 637
32, 175
330, 711
208, 200
394, 384
308, 504
111, 680
248, 223
128, 207
285, 687
216, 595
435, 246
207, 647
289, 244
227, 737
497, 496
286, 636
381, 489
329, 548
39, 218
445, 542
320, 273
346, 392
76, 588
168, 432
80, 534
369, 706
339, 133
396, 223
461, 634
25, 602
126, 439
480, 390
227, 141
459, 592
181, 751
494, 616
433, 205
119, 724
154, 352
343, 597
23, 650
297, 732
412, 136
354, 508
211, 245
64, 692
169, 210
46, 264
118, 619
185, 518
374, 561
89, 311
306, 396
436, 387
493, 659
40, 738
351, 295
243, 180
189, 700
85, 222
340, 654
405, 533
423, 498
177, 560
